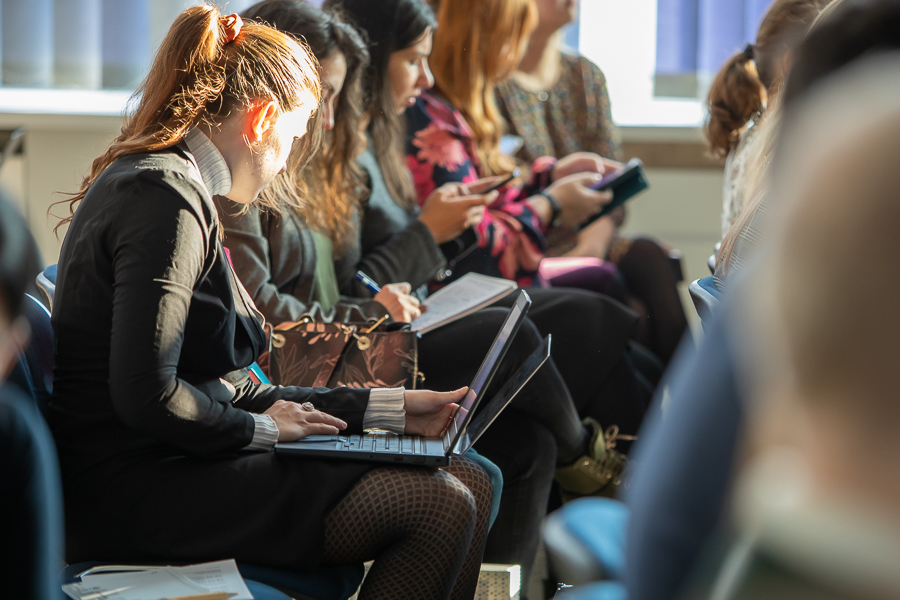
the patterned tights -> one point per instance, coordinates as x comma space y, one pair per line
424, 528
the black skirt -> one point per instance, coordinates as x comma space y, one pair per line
258, 508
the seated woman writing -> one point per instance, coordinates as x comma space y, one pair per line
289, 272
165, 443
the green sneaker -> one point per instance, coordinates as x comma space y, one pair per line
597, 474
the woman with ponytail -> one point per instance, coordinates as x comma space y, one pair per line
744, 89
165, 441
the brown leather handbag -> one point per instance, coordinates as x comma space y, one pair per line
361, 355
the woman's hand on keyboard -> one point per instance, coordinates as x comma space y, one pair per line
428, 413
295, 423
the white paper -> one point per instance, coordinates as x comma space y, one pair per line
464, 296
162, 582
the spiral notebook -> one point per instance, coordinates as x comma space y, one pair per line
468, 294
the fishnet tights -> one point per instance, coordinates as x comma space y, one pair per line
424, 528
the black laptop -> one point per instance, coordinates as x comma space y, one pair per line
434, 451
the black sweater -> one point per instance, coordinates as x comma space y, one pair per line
146, 309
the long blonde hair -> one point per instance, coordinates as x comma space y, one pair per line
200, 76
468, 58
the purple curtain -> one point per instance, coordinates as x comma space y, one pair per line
694, 38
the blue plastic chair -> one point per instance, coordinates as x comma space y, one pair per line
705, 296
328, 583
585, 540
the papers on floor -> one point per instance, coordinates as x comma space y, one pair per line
469, 293
154, 583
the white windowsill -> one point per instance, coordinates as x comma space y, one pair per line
101, 110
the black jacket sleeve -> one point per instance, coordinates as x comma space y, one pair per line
345, 403
408, 254
159, 251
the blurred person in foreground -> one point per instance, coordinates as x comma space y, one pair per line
31, 542
817, 499
685, 456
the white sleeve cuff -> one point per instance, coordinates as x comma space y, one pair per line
265, 433
386, 410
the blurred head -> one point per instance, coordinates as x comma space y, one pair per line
555, 14
478, 43
827, 292
398, 33
262, 84
848, 31
751, 78
844, 31
18, 267
329, 186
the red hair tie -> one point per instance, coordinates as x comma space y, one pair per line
232, 25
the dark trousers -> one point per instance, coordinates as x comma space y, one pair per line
592, 349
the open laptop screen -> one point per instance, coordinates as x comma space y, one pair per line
489, 366
502, 398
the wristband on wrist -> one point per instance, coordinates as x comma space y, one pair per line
555, 208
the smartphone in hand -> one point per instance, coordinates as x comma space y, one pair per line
625, 183
516, 172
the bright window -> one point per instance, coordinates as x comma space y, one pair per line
621, 37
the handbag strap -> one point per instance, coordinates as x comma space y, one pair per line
331, 363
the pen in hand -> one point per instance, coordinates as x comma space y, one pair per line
368, 282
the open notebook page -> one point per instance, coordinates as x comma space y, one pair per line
469, 293
150, 583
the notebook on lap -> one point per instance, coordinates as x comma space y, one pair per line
435, 451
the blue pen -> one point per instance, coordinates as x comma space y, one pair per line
368, 282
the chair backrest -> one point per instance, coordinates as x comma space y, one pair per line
585, 540
34, 372
705, 296
46, 283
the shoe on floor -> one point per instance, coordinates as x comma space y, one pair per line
598, 473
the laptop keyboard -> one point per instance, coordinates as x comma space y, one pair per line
403, 444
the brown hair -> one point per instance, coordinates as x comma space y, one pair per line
199, 77
329, 188
743, 85
388, 26
467, 62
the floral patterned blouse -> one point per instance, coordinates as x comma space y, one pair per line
573, 116
441, 148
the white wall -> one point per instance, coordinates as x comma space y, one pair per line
681, 208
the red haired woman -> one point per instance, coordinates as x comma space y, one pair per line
165, 442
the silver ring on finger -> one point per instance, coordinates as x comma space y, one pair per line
308, 407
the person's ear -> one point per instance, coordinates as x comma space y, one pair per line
261, 117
